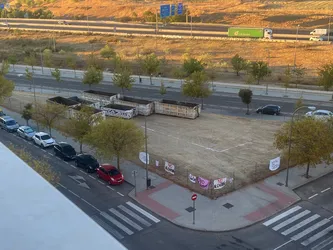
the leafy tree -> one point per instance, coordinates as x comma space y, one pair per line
92, 61
311, 142
123, 79
6, 88
118, 138
299, 72
12, 59
56, 73
196, 86
27, 112
326, 76
4, 67
259, 70
179, 74
163, 90
151, 64
238, 64
287, 77
80, 125
192, 65
92, 76
48, 114
71, 62
246, 96
48, 58
31, 60
107, 52
30, 76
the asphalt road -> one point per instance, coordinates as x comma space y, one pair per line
221, 103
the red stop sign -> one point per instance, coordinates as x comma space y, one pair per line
194, 197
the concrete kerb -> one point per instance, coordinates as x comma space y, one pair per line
312, 179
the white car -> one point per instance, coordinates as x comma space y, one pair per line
43, 140
320, 114
316, 39
25, 132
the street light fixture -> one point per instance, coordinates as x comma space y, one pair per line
312, 108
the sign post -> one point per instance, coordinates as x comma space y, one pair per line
134, 174
193, 198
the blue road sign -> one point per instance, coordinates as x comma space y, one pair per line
173, 9
180, 9
165, 10
2, 6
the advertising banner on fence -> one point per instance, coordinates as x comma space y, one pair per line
192, 178
274, 164
142, 157
168, 167
157, 163
204, 183
220, 183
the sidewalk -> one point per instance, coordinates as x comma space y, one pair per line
219, 87
235, 210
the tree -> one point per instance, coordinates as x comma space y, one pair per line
27, 112
246, 96
259, 70
163, 90
179, 74
192, 65
4, 67
80, 125
311, 142
56, 73
48, 114
151, 64
118, 138
196, 86
299, 72
71, 62
47, 56
6, 88
238, 64
123, 79
12, 59
326, 76
287, 78
107, 52
92, 76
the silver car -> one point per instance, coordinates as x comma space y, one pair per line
8, 123
26, 132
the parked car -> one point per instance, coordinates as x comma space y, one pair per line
64, 151
43, 140
270, 109
110, 174
320, 114
26, 132
86, 162
8, 123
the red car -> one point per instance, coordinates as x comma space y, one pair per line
110, 174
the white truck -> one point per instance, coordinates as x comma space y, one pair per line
320, 35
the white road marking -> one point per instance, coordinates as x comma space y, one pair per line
91, 205
145, 213
290, 220
116, 223
322, 191
110, 188
283, 245
108, 228
312, 196
124, 218
317, 236
323, 244
120, 194
73, 166
44, 150
66, 162
101, 182
330, 217
92, 177
61, 185
50, 153
134, 215
74, 193
310, 229
280, 216
30, 143
83, 171
301, 224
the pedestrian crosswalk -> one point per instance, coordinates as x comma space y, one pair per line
305, 227
125, 219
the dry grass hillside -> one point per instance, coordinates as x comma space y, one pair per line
272, 13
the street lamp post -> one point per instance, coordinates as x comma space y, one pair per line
290, 134
191, 27
146, 149
329, 29
296, 46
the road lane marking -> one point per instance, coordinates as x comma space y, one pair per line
83, 171
317, 236
92, 177
44, 150
91, 205
116, 223
101, 182
50, 153
330, 217
66, 162
135, 216
72, 166
61, 185
283, 245
124, 218
280, 216
322, 191
323, 244
312, 196
145, 213
310, 229
74, 193
108, 228
291, 220
120, 194
301, 224
110, 188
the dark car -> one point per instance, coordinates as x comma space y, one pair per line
86, 162
64, 151
269, 109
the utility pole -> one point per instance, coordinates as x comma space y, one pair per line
156, 28
296, 46
268, 59
329, 29
146, 149
41, 59
191, 27
87, 16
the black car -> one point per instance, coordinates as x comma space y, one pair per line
64, 151
87, 162
269, 110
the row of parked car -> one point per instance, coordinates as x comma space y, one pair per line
64, 151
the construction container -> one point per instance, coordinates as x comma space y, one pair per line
122, 111
179, 109
99, 98
144, 107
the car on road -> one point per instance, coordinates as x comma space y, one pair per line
110, 174
316, 39
270, 109
87, 162
63, 22
43, 140
26, 132
64, 150
320, 114
9, 124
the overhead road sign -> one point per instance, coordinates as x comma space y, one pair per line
2, 6
165, 10
173, 9
180, 9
